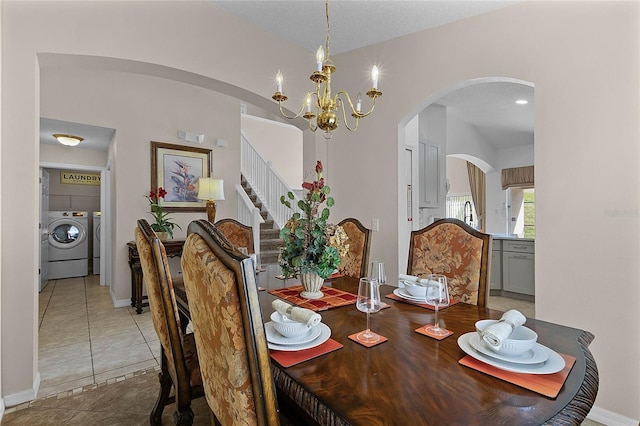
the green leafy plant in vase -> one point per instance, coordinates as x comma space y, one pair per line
163, 223
313, 246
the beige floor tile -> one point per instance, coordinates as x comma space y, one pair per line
49, 355
55, 338
108, 344
123, 357
68, 371
117, 372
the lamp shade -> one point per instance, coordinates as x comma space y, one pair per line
210, 189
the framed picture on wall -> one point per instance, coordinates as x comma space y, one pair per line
177, 168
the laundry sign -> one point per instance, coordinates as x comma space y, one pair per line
77, 178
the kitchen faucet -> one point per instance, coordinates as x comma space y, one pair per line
470, 215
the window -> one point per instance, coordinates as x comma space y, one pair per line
529, 205
456, 209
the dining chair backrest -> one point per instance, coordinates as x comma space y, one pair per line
238, 234
354, 263
456, 250
227, 322
179, 357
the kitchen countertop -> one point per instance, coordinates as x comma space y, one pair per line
510, 237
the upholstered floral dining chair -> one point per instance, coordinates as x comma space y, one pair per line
456, 250
179, 366
230, 336
236, 233
354, 262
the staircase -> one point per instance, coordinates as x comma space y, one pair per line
270, 241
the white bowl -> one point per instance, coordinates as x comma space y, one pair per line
415, 289
287, 327
520, 341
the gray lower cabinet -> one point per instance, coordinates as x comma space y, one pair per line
518, 267
496, 265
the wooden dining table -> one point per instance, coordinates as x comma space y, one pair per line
412, 379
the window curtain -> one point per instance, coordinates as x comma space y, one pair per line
518, 177
477, 184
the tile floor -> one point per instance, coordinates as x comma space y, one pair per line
84, 340
99, 364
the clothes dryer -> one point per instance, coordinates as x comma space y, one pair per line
96, 243
68, 244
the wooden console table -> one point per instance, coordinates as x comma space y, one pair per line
173, 248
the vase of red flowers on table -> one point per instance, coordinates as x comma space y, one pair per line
313, 247
163, 225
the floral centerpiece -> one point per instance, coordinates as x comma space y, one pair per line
163, 223
313, 247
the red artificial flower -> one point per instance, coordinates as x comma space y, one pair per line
318, 167
152, 194
161, 192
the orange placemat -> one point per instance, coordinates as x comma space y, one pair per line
289, 358
544, 384
354, 337
422, 330
332, 298
422, 305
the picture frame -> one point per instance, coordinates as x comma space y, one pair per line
177, 168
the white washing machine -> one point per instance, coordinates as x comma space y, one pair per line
96, 243
68, 244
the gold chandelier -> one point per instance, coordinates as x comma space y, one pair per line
326, 107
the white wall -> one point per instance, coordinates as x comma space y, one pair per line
144, 109
586, 119
458, 176
579, 103
279, 143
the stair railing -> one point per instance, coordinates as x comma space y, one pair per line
249, 215
266, 183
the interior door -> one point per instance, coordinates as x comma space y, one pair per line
44, 227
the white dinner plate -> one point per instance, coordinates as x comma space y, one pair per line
535, 355
553, 364
401, 292
274, 337
325, 333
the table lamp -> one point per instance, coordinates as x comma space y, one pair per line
211, 190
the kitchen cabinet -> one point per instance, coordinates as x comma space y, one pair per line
518, 267
429, 175
496, 266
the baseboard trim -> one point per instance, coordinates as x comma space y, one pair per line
1, 409
121, 303
22, 396
607, 417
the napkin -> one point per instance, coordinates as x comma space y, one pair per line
296, 313
412, 278
496, 333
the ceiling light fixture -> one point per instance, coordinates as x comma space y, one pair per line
325, 116
522, 101
68, 140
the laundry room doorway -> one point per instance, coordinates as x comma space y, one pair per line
71, 195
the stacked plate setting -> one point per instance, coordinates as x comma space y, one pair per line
315, 336
404, 294
537, 360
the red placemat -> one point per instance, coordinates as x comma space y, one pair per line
422, 305
332, 298
544, 384
289, 358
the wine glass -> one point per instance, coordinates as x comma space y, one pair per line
437, 295
377, 272
368, 301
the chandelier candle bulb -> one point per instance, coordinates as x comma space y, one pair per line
374, 76
279, 81
359, 104
319, 59
308, 103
